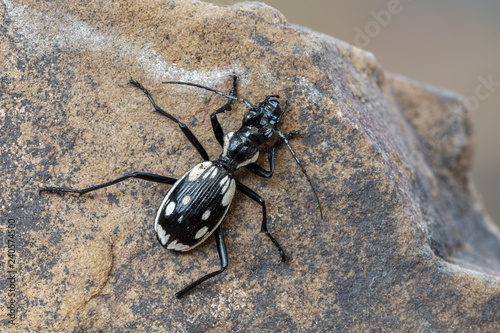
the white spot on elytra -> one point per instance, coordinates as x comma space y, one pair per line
170, 208
162, 235
196, 172
211, 231
225, 184
206, 215
177, 246
166, 200
180, 218
214, 173
228, 196
201, 233
209, 170
186, 199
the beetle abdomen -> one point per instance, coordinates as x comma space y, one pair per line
194, 207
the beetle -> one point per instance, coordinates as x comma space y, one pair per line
197, 202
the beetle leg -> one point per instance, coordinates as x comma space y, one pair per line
259, 170
140, 175
218, 132
187, 132
221, 247
257, 198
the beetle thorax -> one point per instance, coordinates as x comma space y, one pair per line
238, 150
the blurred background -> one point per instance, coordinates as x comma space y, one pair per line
453, 44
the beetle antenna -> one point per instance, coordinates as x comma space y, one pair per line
241, 100
284, 138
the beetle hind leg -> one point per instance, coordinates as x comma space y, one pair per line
138, 175
257, 198
221, 247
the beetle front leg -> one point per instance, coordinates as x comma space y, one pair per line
259, 170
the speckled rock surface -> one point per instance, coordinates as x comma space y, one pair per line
404, 246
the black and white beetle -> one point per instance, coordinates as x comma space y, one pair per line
196, 204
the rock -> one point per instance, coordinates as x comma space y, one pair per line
405, 244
